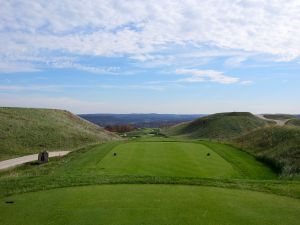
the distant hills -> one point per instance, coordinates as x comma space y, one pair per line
218, 126
151, 120
24, 131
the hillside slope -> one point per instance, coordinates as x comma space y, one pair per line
218, 126
276, 145
293, 122
24, 131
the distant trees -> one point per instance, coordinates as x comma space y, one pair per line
120, 128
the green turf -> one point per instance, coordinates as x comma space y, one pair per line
26, 131
151, 180
153, 161
245, 163
149, 204
166, 159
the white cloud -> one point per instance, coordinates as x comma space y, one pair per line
206, 75
15, 67
138, 28
58, 88
235, 61
246, 82
90, 69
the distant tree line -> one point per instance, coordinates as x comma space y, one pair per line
120, 128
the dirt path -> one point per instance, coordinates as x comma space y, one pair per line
278, 122
29, 158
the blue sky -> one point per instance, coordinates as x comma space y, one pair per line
154, 56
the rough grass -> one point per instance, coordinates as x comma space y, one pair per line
24, 131
218, 126
278, 145
149, 204
293, 122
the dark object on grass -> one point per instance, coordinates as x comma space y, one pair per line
9, 202
208, 154
115, 154
43, 157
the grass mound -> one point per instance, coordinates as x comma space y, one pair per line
219, 126
24, 131
293, 122
277, 145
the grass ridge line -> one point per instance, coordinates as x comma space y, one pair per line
11, 186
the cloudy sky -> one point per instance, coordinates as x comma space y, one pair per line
117, 56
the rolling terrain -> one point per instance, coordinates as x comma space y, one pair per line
25, 131
293, 122
150, 178
218, 126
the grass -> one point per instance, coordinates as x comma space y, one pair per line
218, 126
293, 122
158, 158
151, 180
157, 162
149, 204
277, 145
245, 163
25, 131
166, 159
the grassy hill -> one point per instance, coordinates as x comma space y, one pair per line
293, 122
24, 131
219, 126
277, 145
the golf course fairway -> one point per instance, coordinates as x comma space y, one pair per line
149, 182
168, 158
148, 204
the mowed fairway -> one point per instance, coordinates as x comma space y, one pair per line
166, 159
149, 204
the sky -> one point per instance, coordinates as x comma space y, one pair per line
136, 56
